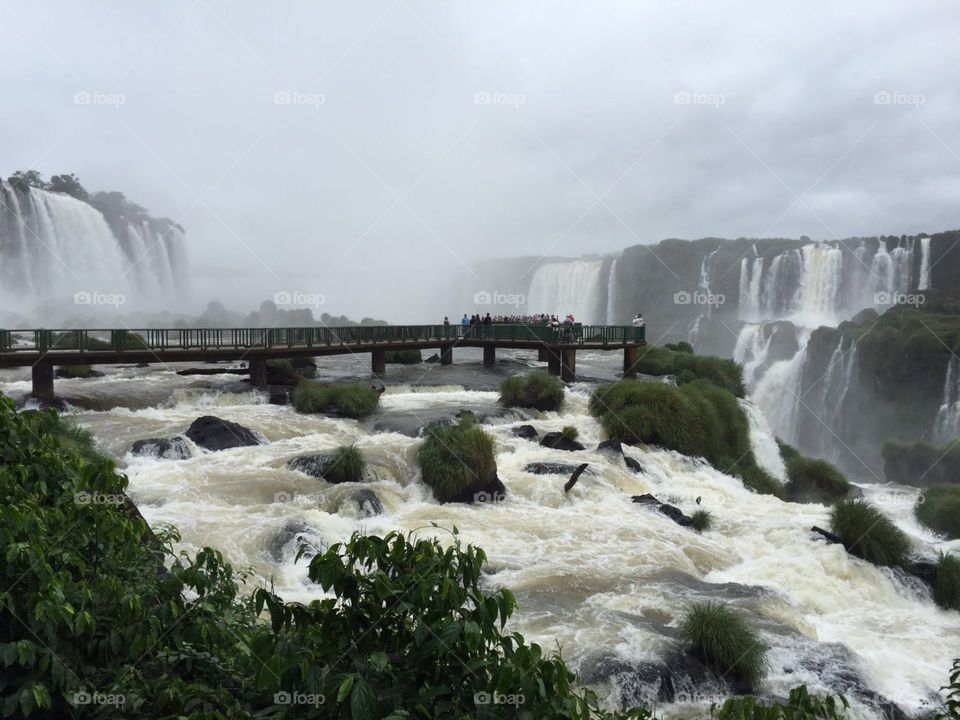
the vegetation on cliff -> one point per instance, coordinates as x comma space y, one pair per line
814, 480
679, 360
938, 507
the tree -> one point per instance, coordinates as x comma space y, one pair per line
69, 184
23, 180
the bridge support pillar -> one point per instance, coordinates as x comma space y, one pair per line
630, 362
446, 354
378, 362
543, 354
42, 374
258, 371
553, 361
568, 365
489, 355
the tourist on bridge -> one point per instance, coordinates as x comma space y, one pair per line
638, 321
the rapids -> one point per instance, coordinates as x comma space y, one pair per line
596, 574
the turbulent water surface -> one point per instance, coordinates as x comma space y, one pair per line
603, 577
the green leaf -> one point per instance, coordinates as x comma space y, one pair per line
345, 688
363, 702
379, 660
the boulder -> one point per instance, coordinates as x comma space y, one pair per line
368, 503
527, 432
558, 441
174, 448
279, 545
433, 358
671, 511
377, 385
313, 465
213, 433
612, 445
493, 491
634, 465
549, 468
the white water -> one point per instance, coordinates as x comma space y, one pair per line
924, 282
706, 267
567, 287
58, 248
947, 424
778, 391
613, 297
763, 443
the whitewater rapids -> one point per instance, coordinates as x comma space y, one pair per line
593, 572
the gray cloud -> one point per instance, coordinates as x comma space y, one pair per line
420, 137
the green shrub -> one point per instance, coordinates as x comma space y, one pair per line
290, 371
458, 462
403, 357
347, 464
353, 400
953, 694
686, 367
758, 479
801, 705
75, 371
724, 640
702, 520
537, 389
946, 587
812, 480
939, 509
569, 432
787, 451
868, 533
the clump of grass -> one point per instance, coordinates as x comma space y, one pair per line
946, 588
353, 400
569, 432
347, 464
457, 461
537, 389
702, 520
787, 452
812, 480
725, 641
403, 357
869, 534
939, 509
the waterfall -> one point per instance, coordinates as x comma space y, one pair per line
753, 344
827, 404
751, 278
819, 291
778, 391
947, 424
693, 332
567, 287
612, 295
60, 251
924, 264
763, 443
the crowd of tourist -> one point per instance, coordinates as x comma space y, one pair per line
535, 319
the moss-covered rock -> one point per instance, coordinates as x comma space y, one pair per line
404, 357
939, 509
869, 534
458, 463
687, 367
725, 641
538, 390
812, 480
290, 371
352, 400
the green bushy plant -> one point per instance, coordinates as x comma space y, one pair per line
347, 464
939, 509
724, 640
537, 389
458, 461
814, 480
946, 587
869, 534
569, 432
702, 520
679, 360
353, 400
801, 705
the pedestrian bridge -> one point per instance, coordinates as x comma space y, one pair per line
44, 349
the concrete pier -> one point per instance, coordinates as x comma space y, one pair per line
42, 375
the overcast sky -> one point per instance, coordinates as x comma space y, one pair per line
362, 150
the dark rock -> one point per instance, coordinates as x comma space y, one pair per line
611, 445
290, 371
312, 465
634, 465
174, 448
279, 396
368, 503
433, 358
558, 441
493, 491
548, 468
527, 432
672, 512
214, 433
64, 373
212, 371
926, 570
574, 477
377, 385
831, 538
278, 544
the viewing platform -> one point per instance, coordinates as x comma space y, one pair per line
43, 349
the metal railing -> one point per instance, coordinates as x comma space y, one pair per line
45, 340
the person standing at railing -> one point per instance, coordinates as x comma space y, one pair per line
487, 322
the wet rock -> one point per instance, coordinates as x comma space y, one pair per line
284, 539
76, 371
671, 511
611, 445
433, 358
368, 503
926, 570
377, 385
279, 395
493, 491
549, 468
634, 465
313, 465
527, 432
214, 433
174, 448
558, 441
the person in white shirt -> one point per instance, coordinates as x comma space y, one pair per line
638, 321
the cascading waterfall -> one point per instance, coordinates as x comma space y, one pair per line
567, 287
763, 443
778, 391
612, 296
693, 332
55, 246
947, 424
751, 278
753, 345
924, 282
